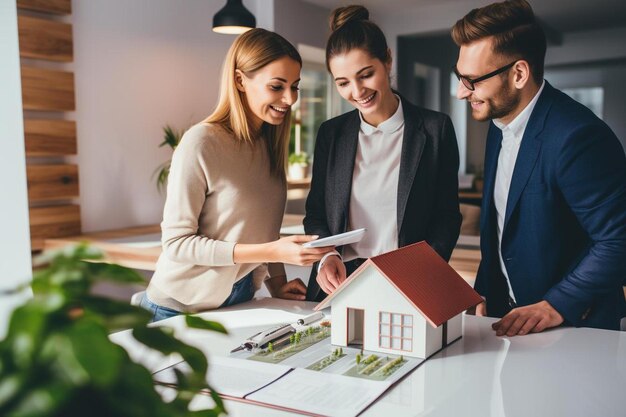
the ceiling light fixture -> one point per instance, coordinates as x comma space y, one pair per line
233, 18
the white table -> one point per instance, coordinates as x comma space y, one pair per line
562, 372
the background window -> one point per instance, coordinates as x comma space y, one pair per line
318, 101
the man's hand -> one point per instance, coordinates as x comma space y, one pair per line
533, 318
332, 274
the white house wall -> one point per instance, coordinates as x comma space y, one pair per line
455, 328
373, 293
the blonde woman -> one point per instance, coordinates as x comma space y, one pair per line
226, 191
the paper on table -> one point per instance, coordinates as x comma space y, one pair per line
231, 377
321, 393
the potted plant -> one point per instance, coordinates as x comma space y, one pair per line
57, 358
298, 166
171, 138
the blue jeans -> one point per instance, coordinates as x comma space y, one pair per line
243, 290
158, 312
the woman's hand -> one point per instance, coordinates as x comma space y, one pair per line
332, 274
290, 250
279, 287
287, 250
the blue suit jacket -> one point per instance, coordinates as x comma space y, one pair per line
564, 236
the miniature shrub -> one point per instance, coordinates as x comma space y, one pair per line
369, 369
371, 358
386, 370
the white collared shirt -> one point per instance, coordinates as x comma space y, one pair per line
374, 196
512, 135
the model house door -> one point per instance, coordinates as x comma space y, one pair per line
356, 326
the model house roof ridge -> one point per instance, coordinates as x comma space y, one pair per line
426, 280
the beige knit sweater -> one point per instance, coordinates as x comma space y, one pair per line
220, 192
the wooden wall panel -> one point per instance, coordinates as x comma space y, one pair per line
50, 137
45, 39
51, 222
52, 182
46, 6
44, 89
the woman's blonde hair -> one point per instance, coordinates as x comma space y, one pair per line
250, 52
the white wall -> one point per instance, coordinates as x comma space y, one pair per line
423, 19
15, 261
608, 76
302, 23
139, 65
588, 46
583, 46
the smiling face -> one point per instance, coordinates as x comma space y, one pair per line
270, 91
364, 82
493, 98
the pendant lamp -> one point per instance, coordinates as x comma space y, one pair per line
233, 18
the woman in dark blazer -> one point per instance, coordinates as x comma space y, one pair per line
388, 166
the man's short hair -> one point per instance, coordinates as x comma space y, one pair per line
515, 31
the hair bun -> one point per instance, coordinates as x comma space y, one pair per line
342, 15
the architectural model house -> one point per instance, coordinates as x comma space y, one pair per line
405, 302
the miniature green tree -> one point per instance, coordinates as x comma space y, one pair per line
270, 347
358, 358
292, 339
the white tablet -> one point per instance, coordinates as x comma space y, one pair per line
346, 238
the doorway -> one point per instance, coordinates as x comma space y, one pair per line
356, 327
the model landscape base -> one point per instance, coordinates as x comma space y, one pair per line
314, 352
296, 384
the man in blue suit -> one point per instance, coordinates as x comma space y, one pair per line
553, 220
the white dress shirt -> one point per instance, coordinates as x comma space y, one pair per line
374, 196
512, 135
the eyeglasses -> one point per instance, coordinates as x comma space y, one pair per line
469, 82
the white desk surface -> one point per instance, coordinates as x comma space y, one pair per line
562, 372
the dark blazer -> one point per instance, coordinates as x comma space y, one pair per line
428, 199
564, 237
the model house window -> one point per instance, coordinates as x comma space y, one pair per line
396, 331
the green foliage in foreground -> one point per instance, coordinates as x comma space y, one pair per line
57, 359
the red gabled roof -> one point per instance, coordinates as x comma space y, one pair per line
424, 278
